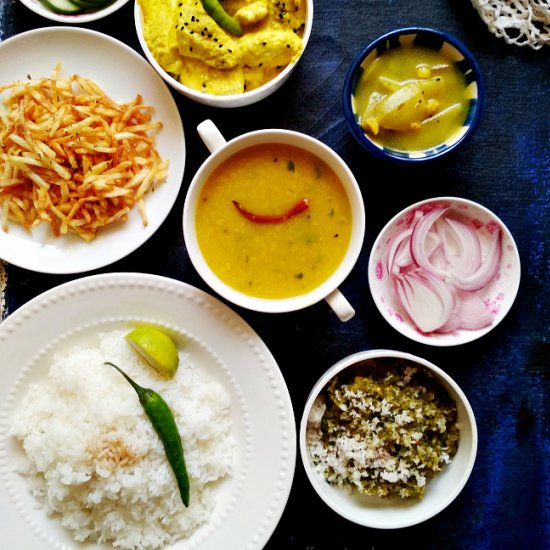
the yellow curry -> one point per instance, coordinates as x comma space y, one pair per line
196, 50
411, 98
273, 221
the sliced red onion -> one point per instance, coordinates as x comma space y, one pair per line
487, 270
418, 240
403, 259
470, 313
473, 313
437, 258
465, 258
437, 267
397, 244
453, 324
399, 259
427, 299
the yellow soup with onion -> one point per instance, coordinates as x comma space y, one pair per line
273, 221
411, 98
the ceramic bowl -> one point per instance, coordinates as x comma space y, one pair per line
498, 295
85, 16
458, 57
394, 512
221, 151
224, 101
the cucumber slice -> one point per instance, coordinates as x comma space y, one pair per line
62, 6
91, 4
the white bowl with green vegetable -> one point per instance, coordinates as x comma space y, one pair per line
74, 11
387, 439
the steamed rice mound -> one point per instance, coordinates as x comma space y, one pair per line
95, 461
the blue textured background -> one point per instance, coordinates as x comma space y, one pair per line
506, 167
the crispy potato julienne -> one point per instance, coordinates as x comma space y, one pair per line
73, 157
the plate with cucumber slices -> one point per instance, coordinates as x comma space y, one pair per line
74, 11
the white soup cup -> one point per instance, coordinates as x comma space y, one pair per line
222, 150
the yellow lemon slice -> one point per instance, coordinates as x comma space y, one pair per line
157, 348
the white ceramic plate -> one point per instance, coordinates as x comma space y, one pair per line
249, 505
75, 19
122, 73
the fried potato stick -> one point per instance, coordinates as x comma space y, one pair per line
73, 157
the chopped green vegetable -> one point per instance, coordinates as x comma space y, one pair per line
385, 427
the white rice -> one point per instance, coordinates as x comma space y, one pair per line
97, 464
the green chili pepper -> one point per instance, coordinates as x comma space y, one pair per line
215, 10
163, 421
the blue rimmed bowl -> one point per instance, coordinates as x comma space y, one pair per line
457, 55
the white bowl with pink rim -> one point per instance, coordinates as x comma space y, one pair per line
444, 271
222, 150
395, 512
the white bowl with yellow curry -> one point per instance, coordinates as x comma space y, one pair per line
226, 54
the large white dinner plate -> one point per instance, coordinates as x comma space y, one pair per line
122, 73
250, 503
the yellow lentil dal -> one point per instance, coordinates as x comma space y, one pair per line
273, 260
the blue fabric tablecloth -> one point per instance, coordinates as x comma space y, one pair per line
506, 167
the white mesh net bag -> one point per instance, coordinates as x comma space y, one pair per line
519, 22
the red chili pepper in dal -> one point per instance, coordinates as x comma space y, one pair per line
300, 206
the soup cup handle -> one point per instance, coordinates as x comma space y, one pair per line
338, 302
211, 136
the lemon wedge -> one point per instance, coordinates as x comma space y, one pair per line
157, 348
